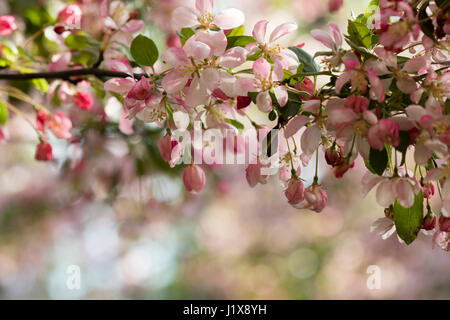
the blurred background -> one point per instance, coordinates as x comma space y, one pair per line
123, 218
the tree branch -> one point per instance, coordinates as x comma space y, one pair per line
66, 74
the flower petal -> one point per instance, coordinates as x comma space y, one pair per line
281, 30
229, 19
259, 31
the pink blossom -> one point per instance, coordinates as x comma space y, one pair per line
70, 15
7, 25
272, 50
170, 149
254, 176
315, 198
60, 125
442, 239
203, 16
385, 131
83, 100
44, 152
265, 80
295, 191
194, 178
335, 5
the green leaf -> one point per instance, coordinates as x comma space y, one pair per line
359, 34
144, 51
77, 41
378, 160
309, 65
40, 84
185, 34
4, 114
409, 220
239, 41
236, 32
235, 123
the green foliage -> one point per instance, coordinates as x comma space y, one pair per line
236, 32
409, 220
185, 34
77, 41
359, 34
4, 114
144, 51
378, 161
239, 41
309, 65
235, 123
40, 84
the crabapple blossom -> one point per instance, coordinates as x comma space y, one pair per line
202, 16
194, 178
70, 15
378, 97
7, 25
44, 152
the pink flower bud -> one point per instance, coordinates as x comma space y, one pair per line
333, 156
295, 191
335, 5
316, 198
7, 25
60, 125
170, 149
44, 152
41, 120
254, 176
59, 29
429, 222
83, 100
70, 15
194, 178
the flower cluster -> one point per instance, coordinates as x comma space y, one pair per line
380, 95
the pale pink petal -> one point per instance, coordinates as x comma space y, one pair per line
415, 112
264, 102
281, 94
336, 34
295, 125
125, 125
277, 74
422, 154
342, 80
281, 30
386, 193
406, 85
311, 139
233, 57
197, 94
259, 31
323, 37
133, 26
229, 19
415, 64
262, 68
175, 57
405, 193
204, 6
196, 49
377, 88
217, 41
183, 17
174, 81
119, 85
369, 181
312, 106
